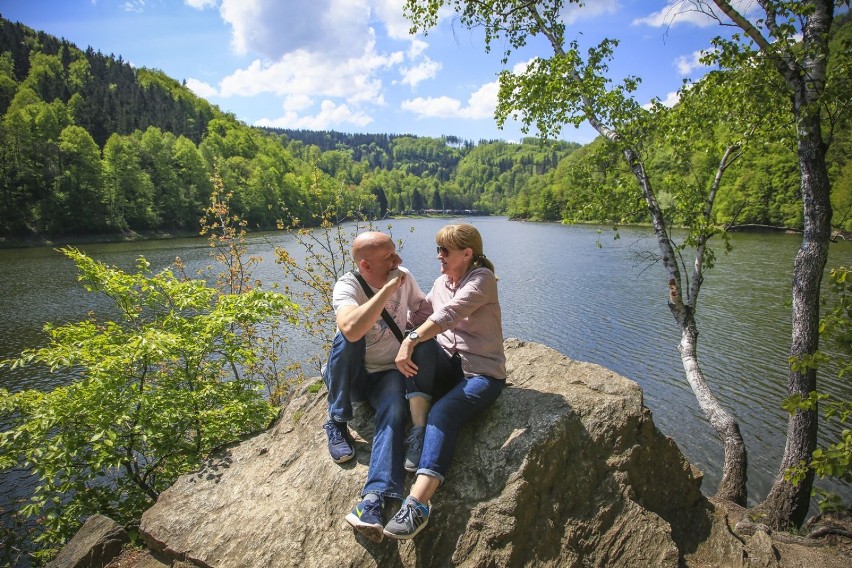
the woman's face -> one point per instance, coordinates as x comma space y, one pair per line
454, 262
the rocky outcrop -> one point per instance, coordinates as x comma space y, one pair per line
565, 469
98, 541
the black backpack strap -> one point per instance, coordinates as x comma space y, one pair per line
385, 315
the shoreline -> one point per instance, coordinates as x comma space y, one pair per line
36, 241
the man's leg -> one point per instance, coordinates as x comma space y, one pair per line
387, 395
343, 372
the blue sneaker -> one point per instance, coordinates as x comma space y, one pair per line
366, 518
411, 518
340, 444
415, 448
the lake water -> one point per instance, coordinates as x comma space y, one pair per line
603, 304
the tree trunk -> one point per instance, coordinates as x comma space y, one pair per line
787, 505
735, 468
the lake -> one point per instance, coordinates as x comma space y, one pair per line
571, 287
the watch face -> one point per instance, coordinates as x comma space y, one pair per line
413, 336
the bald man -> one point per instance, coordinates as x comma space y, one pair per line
361, 366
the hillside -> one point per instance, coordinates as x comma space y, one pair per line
90, 145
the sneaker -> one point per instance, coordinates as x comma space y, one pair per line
411, 518
415, 448
339, 441
366, 518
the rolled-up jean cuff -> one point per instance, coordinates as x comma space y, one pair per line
430, 473
411, 395
383, 494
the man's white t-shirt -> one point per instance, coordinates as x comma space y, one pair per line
382, 344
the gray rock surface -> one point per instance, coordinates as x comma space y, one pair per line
565, 469
98, 541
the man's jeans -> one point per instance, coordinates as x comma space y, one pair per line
348, 381
466, 398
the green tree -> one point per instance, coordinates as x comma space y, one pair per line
77, 204
801, 65
195, 187
127, 186
156, 391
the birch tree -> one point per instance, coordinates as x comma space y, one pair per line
573, 87
794, 38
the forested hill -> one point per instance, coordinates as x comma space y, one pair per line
107, 95
90, 144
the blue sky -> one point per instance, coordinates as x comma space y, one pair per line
351, 65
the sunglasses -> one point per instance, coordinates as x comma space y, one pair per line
443, 250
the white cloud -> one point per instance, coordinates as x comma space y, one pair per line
201, 88
273, 28
417, 47
330, 115
426, 69
687, 12
686, 64
319, 48
672, 98
134, 6
481, 104
573, 12
303, 72
200, 4
676, 12
391, 14
297, 103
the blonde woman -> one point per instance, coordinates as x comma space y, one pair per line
466, 320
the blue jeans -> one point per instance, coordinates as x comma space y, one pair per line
348, 381
466, 398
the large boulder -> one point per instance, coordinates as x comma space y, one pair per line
565, 469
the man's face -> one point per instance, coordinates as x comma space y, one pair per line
383, 260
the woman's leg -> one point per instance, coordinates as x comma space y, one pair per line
466, 399
420, 387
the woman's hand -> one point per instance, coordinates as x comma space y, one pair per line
403, 358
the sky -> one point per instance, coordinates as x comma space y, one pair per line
352, 65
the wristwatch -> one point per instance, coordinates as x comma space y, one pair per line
413, 336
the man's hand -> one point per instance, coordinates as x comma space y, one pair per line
396, 278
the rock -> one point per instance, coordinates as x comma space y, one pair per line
98, 541
565, 469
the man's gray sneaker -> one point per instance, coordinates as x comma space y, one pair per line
340, 443
411, 518
415, 448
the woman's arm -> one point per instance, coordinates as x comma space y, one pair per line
425, 331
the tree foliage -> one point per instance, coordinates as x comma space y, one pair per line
156, 390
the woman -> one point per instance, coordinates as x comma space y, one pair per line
467, 323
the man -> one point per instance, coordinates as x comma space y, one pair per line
361, 366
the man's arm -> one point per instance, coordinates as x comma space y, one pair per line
355, 321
